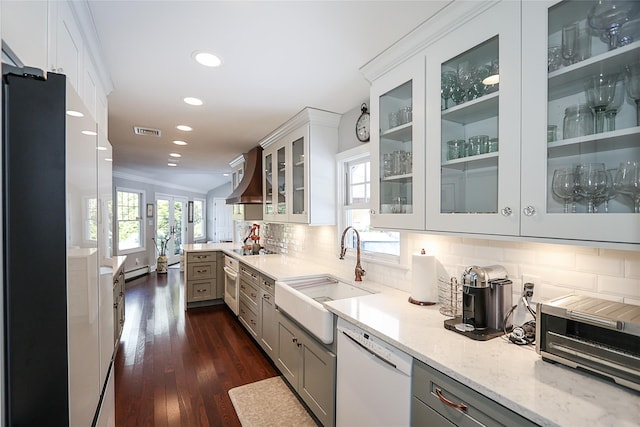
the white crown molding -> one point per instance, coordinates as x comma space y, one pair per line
84, 18
313, 116
237, 161
446, 20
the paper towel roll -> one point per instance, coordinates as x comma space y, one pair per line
424, 286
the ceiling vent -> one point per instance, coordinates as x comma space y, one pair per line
146, 131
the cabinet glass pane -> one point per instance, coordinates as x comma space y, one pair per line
396, 151
297, 154
593, 139
282, 168
469, 130
268, 174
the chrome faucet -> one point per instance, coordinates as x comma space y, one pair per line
359, 270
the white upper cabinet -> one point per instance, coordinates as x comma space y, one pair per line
473, 125
560, 127
66, 47
299, 181
24, 30
397, 146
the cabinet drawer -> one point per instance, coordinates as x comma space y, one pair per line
201, 257
201, 270
250, 292
248, 317
424, 415
200, 290
480, 410
249, 275
268, 284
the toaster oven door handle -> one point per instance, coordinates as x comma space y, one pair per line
599, 321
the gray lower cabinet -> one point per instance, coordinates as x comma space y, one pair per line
439, 400
268, 321
204, 281
309, 367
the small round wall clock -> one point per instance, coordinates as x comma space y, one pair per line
362, 124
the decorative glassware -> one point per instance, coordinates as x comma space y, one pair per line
609, 193
607, 16
563, 187
578, 121
632, 79
627, 182
570, 43
448, 82
554, 58
591, 180
600, 90
615, 104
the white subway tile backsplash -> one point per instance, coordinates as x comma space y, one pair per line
561, 269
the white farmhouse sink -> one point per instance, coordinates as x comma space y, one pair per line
302, 300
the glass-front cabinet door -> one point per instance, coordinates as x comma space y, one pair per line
580, 134
268, 186
397, 171
299, 175
281, 181
473, 125
275, 185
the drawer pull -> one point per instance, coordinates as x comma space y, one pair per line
460, 406
253, 295
267, 297
201, 271
201, 290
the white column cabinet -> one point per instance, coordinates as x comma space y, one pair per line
299, 157
397, 145
470, 188
546, 97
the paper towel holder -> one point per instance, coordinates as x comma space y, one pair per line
416, 302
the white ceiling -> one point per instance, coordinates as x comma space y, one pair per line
278, 57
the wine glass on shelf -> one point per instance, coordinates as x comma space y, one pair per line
447, 85
466, 75
632, 79
610, 191
627, 182
607, 16
591, 179
563, 186
600, 90
615, 104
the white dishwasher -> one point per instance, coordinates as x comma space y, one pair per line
373, 380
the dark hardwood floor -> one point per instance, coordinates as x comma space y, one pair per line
174, 368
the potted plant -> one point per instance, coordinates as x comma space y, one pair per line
161, 248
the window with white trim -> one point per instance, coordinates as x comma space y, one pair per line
199, 225
130, 226
355, 210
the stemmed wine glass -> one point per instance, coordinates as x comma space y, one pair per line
591, 182
447, 86
627, 182
609, 193
632, 79
466, 75
615, 104
600, 90
607, 16
564, 186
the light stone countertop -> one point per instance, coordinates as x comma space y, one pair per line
514, 376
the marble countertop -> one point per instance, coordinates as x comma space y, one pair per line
514, 376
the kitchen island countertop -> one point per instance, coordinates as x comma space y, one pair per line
514, 376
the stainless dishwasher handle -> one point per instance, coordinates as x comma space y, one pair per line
369, 351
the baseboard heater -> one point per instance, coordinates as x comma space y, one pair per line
136, 272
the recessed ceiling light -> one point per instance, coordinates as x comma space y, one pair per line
193, 101
101, 148
207, 59
184, 128
173, 165
175, 155
108, 159
89, 132
180, 143
74, 113
225, 174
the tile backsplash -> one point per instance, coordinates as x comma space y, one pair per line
555, 269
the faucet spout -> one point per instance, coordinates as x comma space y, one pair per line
359, 271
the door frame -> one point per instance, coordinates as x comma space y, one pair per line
172, 257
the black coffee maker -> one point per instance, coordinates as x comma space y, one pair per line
486, 297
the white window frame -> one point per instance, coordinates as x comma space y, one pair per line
342, 162
141, 220
203, 220
87, 220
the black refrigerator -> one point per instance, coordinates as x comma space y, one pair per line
54, 371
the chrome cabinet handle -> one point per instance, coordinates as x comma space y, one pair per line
506, 211
267, 297
529, 211
372, 211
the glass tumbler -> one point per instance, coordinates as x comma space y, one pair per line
455, 149
478, 145
493, 145
578, 121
